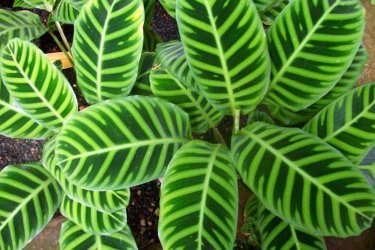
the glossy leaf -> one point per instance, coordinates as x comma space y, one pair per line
65, 13
311, 46
121, 143
29, 197
73, 237
78, 4
198, 204
39, 88
142, 84
91, 220
19, 24
278, 234
107, 46
226, 50
107, 201
172, 57
31, 4
202, 115
348, 123
303, 180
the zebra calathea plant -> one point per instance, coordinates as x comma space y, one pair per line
300, 153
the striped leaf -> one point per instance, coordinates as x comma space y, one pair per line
72, 237
277, 234
199, 199
169, 6
77, 4
348, 123
107, 201
16, 123
91, 220
31, 4
263, 5
303, 180
142, 84
29, 197
311, 46
39, 88
121, 143
107, 46
172, 56
65, 13
226, 50
202, 115
22, 24
259, 116
269, 14
344, 85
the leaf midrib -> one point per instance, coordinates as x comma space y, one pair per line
298, 170
206, 187
228, 81
25, 201
294, 55
125, 146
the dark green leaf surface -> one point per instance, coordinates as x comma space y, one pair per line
65, 13
303, 180
142, 84
202, 115
72, 237
199, 199
121, 143
19, 24
107, 46
39, 88
31, 4
172, 57
91, 220
226, 50
311, 46
277, 234
29, 197
107, 201
348, 123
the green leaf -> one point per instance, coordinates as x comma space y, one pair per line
107, 46
142, 84
16, 123
78, 4
149, 6
65, 13
348, 123
151, 39
121, 143
226, 50
269, 14
202, 115
22, 24
311, 46
262, 5
39, 4
106, 201
278, 234
72, 237
303, 180
91, 220
39, 88
259, 116
345, 84
29, 197
172, 56
199, 199
250, 227
169, 6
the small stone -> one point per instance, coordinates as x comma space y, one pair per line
143, 223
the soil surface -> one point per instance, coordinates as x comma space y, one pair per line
143, 208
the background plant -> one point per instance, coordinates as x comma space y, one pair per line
306, 179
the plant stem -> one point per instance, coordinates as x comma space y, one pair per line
236, 121
219, 137
58, 26
61, 47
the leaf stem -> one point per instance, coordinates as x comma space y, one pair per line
59, 44
61, 31
219, 137
236, 121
